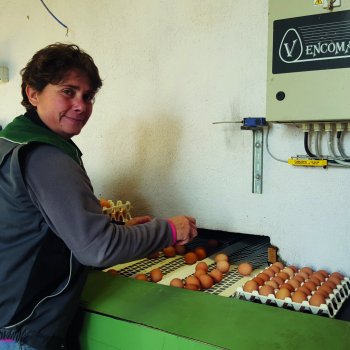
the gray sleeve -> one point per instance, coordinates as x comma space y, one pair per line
62, 191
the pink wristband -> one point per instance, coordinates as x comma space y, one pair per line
7, 340
173, 231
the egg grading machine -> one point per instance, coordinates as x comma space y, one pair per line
119, 312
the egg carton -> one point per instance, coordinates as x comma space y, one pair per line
118, 211
330, 309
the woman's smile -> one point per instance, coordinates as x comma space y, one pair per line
66, 107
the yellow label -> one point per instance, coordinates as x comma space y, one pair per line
308, 162
318, 2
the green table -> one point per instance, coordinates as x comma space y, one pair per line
123, 313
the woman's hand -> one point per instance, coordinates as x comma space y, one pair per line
186, 228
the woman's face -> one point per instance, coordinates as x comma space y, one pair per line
66, 107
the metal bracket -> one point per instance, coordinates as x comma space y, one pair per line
256, 125
258, 139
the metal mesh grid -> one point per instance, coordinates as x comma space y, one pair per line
238, 249
140, 265
255, 254
168, 265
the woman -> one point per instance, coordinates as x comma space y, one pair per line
52, 228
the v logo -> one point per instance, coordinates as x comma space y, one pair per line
288, 49
291, 47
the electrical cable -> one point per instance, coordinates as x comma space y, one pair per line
332, 154
339, 145
318, 155
50, 12
331, 162
306, 145
317, 145
268, 149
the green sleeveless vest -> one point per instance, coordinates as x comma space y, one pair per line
23, 131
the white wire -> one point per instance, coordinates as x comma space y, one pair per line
332, 154
338, 163
317, 150
340, 149
317, 145
268, 149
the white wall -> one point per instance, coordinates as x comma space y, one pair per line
170, 69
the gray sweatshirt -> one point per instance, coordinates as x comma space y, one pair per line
51, 229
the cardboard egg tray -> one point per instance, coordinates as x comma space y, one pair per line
330, 309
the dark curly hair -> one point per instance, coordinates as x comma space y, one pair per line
50, 64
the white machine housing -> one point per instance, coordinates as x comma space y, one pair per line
308, 77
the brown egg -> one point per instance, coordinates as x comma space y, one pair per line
277, 279
113, 272
169, 252
199, 273
105, 203
200, 252
283, 293
273, 284
317, 299
258, 280
206, 281
295, 270
216, 275
221, 256
156, 275
250, 286
180, 249
314, 279
337, 274
303, 274
294, 283
305, 290
324, 273
202, 266
330, 284
318, 275
335, 279
307, 270
191, 286
266, 290
289, 271
190, 258
322, 292
279, 265
192, 280
299, 278
176, 282
275, 269
263, 276
287, 286
299, 297
223, 266
269, 272
310, 285
245, 269
212, 243
328, 290
283, 275
141, 277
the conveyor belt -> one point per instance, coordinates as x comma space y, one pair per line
238, 250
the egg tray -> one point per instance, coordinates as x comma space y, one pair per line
330, 309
